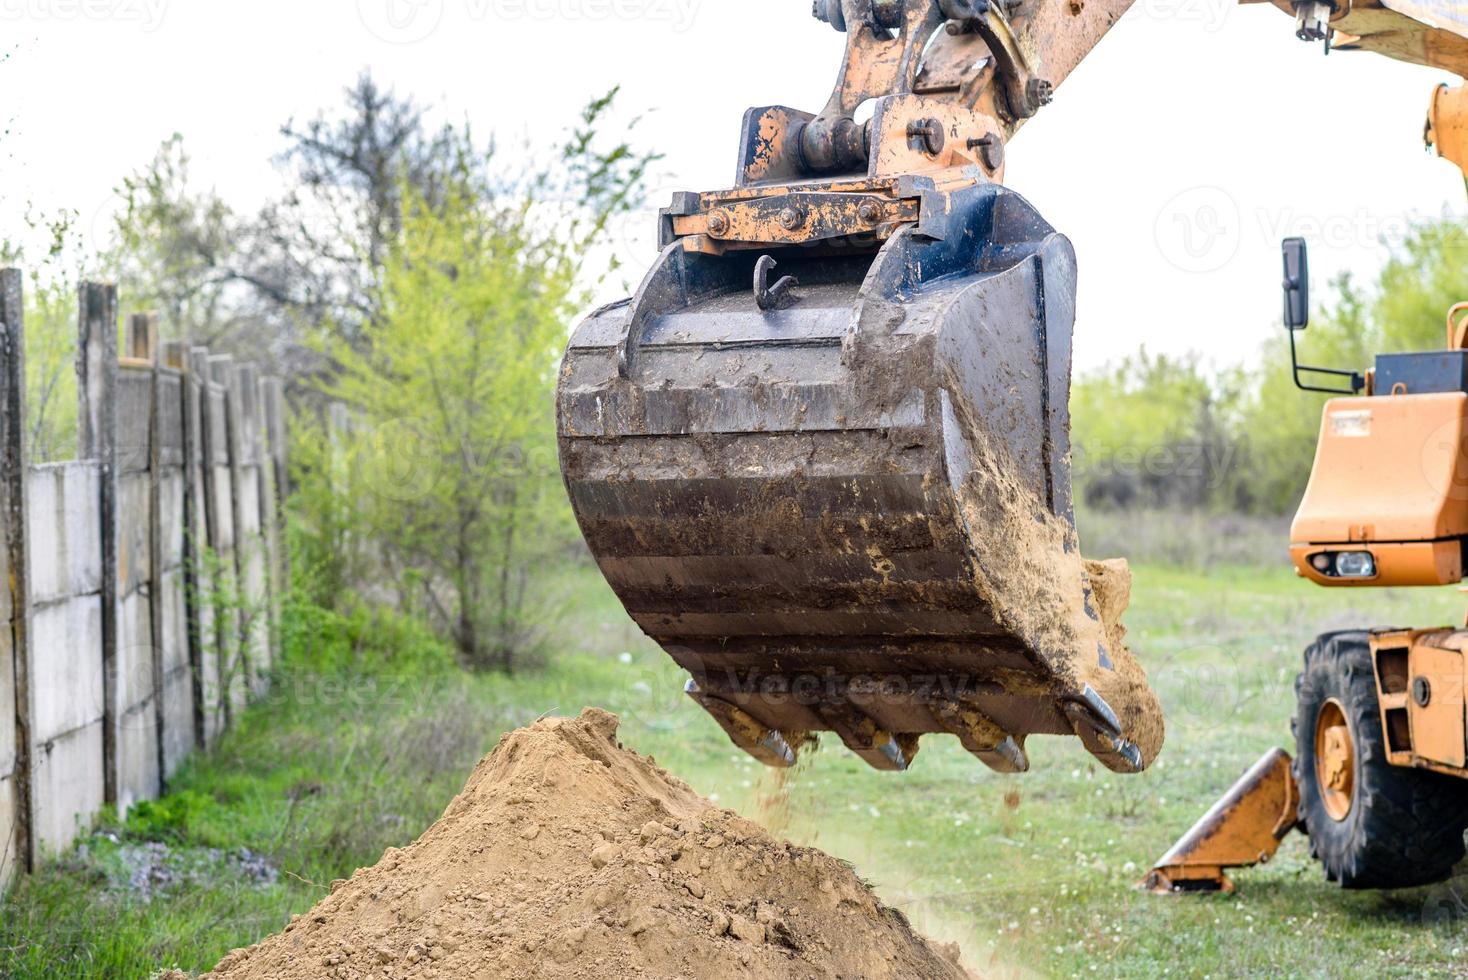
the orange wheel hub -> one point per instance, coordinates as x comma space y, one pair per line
1335, 760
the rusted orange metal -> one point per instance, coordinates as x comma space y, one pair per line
1423, 32
1458, 327
1242, 829
949, 81
1420, 681
1447, 125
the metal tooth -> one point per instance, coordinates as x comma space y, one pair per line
1117, 753
894, 753
1008, 756
1131, 753
1101, 711
763, 743
983, 738
876, 746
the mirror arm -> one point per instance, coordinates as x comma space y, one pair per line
1357, 379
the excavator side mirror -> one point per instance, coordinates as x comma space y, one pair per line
1297, 317
1296, 284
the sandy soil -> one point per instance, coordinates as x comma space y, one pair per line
569, 856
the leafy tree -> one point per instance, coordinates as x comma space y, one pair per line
177, 253
450, 458
1251, 433
1420, 282
309, 260
51, 330
1150, 431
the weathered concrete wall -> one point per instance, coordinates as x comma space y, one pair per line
140, 606
204, 624
136, 710
68, 702
221, 406
254, 565
170, 593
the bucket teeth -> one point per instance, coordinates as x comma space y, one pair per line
1102, 716
830, 506
1099, 730
765, 744
989, 743
1008, 756
877, 747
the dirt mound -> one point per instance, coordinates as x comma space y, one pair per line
569, 856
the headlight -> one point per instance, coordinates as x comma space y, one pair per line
1355, 564
1344, 564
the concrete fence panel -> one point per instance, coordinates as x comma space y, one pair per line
143, 580
69, 701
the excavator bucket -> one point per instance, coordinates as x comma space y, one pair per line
1242, 829
840, 497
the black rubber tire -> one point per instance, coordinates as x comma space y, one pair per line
1405, 826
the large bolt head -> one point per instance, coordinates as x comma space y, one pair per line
829, 11
718, 224
990, 149
791, 218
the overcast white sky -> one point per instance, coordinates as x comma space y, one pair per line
1194, 138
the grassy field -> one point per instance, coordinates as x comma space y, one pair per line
1033, 874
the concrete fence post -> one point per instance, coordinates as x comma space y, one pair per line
176, 355
254, 553
17, 816
97, 422
142, 346
213, 630
142, 337
225, 448
273, 461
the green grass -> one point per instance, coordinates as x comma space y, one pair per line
1032, 874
